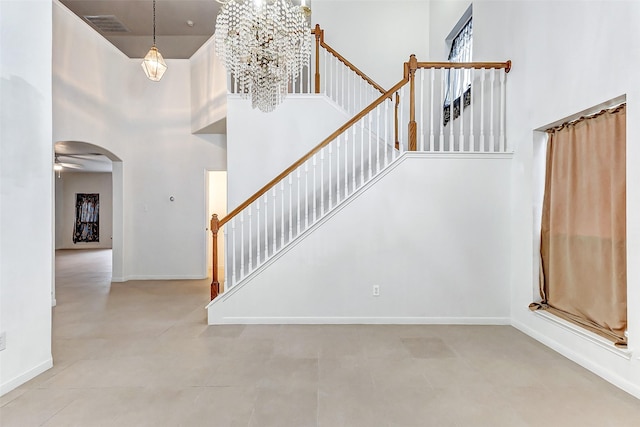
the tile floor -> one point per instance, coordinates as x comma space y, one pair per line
141, 354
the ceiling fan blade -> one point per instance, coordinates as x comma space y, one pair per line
91, 157
70, 165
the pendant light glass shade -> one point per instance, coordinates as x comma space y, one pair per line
154, 65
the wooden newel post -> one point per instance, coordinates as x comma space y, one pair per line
215, 283
413, 126
319, 37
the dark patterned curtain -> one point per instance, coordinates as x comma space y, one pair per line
459, 81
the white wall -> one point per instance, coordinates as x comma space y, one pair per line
258, 152
439, 253
567, 56
81, 182
208, 91
26, 190
102, 97
445, 14
376, 36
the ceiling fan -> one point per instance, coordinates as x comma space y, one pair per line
65, 164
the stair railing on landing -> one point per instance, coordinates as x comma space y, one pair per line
330, 74
300, 196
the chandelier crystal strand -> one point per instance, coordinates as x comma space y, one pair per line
263, 44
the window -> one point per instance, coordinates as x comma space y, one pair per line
458, 80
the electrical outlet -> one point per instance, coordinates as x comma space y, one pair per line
3, 341
376, 290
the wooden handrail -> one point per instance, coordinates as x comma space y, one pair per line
313, 151
319, 33
505, 65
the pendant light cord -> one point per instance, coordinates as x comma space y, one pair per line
154, 22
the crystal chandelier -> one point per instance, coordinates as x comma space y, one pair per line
153, 63
264, 44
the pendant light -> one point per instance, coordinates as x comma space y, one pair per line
153, 64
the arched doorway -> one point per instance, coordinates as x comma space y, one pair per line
85, 170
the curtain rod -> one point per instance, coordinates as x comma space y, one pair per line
583, 118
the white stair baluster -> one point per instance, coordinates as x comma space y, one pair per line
306, 195
482, 140
344, 89
258, 232
336, 74
315, 199
441, 109
503, 147
275, 216
354, 104
233, 250
330, 176
241, 245
282, 232
298, 202
378, 139
431, 108
370, 152
421, 119
492, 146
324, 74
250, 239
401, 120
386, 132
290, 208
461, 118
361, 151
293, 84
452, 144
322, 181
353, 157
225, 273
338, 170
346, 163
266, 227
472, 141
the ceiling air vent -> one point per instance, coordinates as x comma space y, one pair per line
107, 23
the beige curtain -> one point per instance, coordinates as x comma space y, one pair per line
583, 236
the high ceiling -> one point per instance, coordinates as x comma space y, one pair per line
182, 26
175, 38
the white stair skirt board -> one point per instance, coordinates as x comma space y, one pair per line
246, 301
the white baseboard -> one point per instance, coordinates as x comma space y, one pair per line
158, 277
579, 358
361, 321
23, 378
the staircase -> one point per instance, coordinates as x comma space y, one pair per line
387, 129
